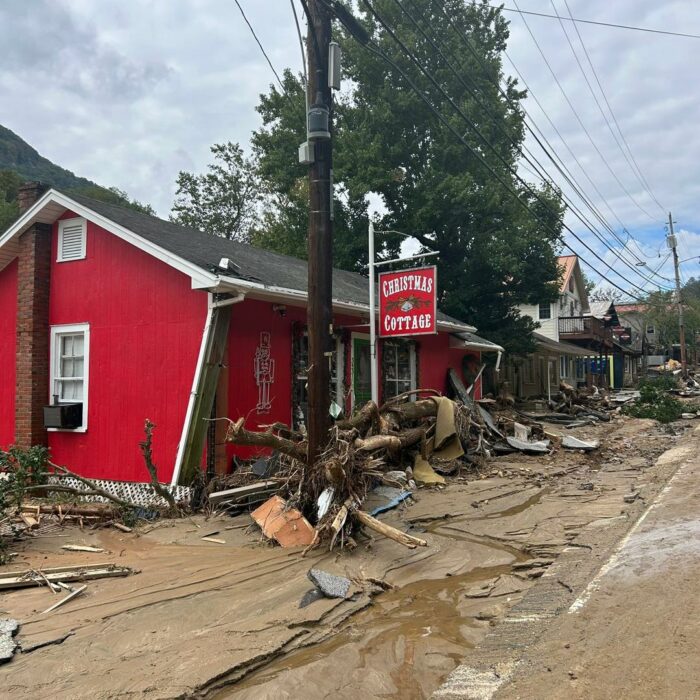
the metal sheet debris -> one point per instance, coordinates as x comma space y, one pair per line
572, 443
541, 447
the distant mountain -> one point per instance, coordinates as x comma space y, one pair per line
20, 162
17, 155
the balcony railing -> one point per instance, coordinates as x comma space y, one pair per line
582, 327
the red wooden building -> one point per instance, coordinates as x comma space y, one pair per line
118, 316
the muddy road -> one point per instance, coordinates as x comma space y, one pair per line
223, 620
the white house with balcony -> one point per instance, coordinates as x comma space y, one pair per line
572, 302
554, 361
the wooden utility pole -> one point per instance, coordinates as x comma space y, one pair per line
320, 316
679, 302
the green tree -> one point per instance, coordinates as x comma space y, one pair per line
494, 255
224, 200
9, 183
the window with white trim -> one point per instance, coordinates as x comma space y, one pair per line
72, 239
545, 312
398, 368
70, 347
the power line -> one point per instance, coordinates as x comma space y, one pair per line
612, 113
527, 155
597, 101
560, 166
358, 32
602, 24
264, 53
579, 120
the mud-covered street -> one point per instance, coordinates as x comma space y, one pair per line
218, 620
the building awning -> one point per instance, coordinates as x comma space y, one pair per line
558, 347
469, 341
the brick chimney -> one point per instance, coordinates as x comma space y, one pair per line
34, 270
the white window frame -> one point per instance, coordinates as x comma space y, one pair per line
539, 312
413, 365
71, 222
57, 332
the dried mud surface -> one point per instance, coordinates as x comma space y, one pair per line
210, 620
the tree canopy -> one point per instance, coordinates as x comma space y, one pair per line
494, 253
223, 200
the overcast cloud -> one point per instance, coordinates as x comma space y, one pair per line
129, 92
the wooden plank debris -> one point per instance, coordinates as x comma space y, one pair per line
214, 539
63, 601
27, 578
82, 548
242, 492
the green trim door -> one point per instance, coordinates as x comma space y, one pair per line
361, 371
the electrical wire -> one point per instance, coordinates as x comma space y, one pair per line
526, 154
635, 172
262, 49
355, 30
301, 41
541, 137
602, 24
580, 121
612, 113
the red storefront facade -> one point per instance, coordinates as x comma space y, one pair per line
129, 317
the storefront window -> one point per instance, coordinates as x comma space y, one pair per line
398, 368
300, 388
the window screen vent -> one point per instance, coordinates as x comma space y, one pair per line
71, 239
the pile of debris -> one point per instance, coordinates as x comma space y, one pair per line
378, 457
574, 408
416, 438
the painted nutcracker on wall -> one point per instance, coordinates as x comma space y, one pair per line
264, 368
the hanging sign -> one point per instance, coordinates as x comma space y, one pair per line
408, 302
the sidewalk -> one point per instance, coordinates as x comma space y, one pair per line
634, 632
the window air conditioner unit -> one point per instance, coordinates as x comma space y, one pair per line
65, 416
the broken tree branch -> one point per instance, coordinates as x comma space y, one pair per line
146, 450
240, 436
388, 531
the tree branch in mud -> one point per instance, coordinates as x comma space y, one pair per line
93, 489
391, 532
146, 450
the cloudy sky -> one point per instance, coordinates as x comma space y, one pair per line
129, 92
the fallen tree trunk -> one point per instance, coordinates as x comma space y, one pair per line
391, 532
413, 410
238, 434
368, 415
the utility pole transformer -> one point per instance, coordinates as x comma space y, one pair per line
681, 323
320, 244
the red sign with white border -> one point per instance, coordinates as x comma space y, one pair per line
408, 302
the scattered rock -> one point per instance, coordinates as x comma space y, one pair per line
330, 586
8, 629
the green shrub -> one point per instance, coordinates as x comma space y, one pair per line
654, 401
21, 467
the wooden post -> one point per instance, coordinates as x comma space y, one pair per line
320, 316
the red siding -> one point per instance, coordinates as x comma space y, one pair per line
435, 357
251, 318
8, 329
146, 328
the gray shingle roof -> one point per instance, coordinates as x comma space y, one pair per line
252, 264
